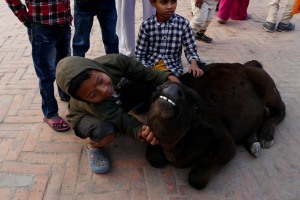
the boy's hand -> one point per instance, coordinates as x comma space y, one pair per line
146, 135
197, 72
174, 79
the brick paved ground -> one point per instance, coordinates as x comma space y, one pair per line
37, 163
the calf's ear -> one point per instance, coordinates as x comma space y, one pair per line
194, 99
201, 126
253, 63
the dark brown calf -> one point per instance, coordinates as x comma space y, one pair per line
199, 122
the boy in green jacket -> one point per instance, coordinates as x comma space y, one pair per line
97, 109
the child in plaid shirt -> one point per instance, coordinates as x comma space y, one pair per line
161, 38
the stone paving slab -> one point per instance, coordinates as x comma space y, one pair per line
37, 163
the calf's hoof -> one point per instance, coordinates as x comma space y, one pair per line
197, 183
155, 156
255, 149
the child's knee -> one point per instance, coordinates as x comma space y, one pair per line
95, 129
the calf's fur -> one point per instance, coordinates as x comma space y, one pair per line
200, 121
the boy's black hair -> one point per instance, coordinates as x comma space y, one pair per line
77, 81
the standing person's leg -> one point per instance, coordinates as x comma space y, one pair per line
107, 17
224, 11
273, 8
63, 50
193, 6
43, 41
239, 10
125, 26
212, 5
270, 23
83, 22
148, 10
285, 25
199, 22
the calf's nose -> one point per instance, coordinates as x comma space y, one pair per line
173, 91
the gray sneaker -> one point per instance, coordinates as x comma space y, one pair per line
285, 27
269, 27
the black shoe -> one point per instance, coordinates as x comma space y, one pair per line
203, 37
285, 27
269, 27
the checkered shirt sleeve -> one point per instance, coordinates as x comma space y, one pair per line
18, 9
49, 12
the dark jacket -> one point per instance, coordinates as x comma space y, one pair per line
115, 66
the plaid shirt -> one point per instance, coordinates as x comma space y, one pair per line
164, 41
48, 12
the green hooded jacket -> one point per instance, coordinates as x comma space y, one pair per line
115, 66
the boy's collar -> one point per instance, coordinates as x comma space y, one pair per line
170, 21
160, 20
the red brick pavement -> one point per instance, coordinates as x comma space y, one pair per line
37, 163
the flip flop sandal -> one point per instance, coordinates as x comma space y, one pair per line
59, 126
99, 162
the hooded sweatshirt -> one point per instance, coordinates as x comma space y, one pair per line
115, 66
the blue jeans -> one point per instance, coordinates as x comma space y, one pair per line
49, 45
83, 22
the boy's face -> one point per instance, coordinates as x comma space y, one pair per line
97, 88
164, 8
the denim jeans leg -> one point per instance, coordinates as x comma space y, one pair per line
43, 41
83, 22
63, 50
108, 21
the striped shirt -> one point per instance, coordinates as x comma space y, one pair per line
48, 12
165, 41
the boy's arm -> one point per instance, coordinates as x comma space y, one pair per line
190, 51
130, 68
142, 45
19, 10
124, 122
189, 44
137, 72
